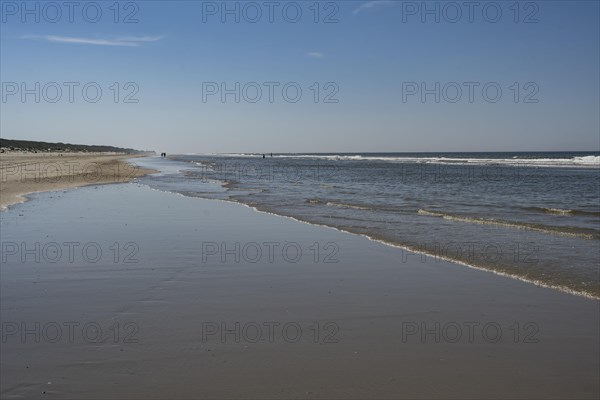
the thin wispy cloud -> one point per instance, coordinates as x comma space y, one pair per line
128, 41
141, 38
371, 4
315, 54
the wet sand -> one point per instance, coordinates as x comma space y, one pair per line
187, 270
25, 173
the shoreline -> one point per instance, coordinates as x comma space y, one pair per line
143, 171
437, 257
171, 294
23, 174
562, 289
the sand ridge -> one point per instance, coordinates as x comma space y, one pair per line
25, 173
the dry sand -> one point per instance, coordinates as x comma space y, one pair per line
25, 173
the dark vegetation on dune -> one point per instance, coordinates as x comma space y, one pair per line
35, 147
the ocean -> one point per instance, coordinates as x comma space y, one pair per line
531, 216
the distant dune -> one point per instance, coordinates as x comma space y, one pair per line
28, 146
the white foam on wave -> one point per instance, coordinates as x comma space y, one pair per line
587, 160
344, 205
509, 224
579, 161
558, 211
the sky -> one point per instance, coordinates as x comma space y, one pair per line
303, 76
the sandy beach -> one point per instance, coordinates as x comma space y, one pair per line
25, 173
139, 293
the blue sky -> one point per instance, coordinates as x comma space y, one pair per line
367, 57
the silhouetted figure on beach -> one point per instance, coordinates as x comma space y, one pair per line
263, 156
271, 154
